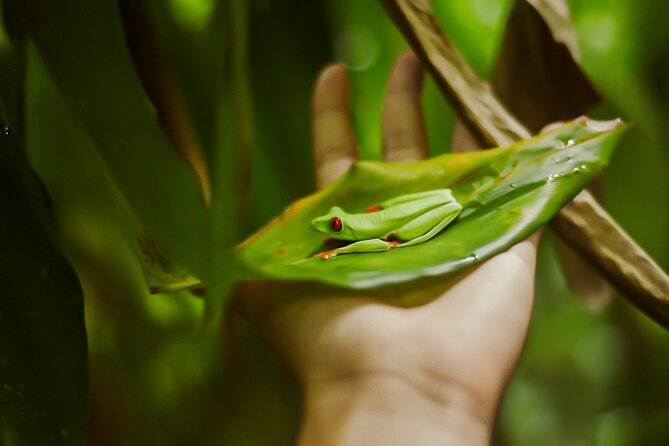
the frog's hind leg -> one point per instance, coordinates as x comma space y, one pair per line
440, 195
446, 213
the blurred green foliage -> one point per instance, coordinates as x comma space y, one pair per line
585, 378
43, 351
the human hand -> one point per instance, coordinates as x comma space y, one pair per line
375, 373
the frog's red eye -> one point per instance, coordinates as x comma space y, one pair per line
335, 224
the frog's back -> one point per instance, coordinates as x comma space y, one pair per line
380, 223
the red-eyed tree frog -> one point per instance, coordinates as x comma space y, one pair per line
402, 221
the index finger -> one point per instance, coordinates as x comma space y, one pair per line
333, 140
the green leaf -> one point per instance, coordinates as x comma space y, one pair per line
230, 159
43, 352
540, 47
82, 44
12, 70
506, 194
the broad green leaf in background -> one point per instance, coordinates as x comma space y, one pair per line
12, 70
225, 118
161, 201
230, 160
191, 36
289, 42
137, 342
83, 46
506, 194
623, 43
43, 351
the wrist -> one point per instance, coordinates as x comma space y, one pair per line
386, 409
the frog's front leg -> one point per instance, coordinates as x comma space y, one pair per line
372, 245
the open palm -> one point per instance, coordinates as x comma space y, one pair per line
452, 341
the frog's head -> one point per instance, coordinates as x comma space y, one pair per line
334, 224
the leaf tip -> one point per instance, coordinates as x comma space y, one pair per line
601, 126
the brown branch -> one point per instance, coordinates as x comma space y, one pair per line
583, 223
586, 226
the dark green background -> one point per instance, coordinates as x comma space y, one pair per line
586, 378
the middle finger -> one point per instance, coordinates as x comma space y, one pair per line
404, 137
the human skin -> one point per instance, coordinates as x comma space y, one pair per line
417, 364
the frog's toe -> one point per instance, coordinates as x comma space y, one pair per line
327, 255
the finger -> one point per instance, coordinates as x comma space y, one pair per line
488, 311
482, 287
492, 305
333, 141
403, 126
